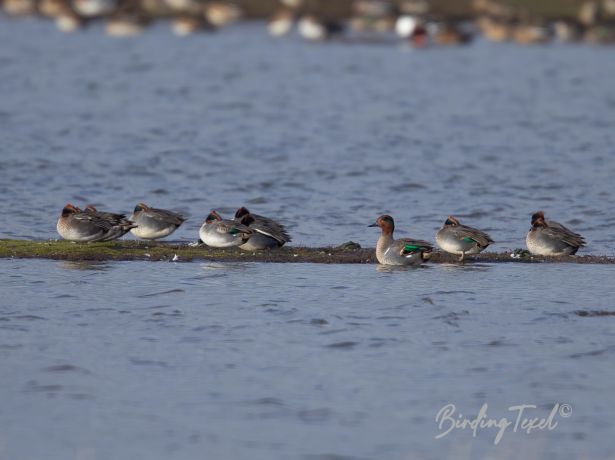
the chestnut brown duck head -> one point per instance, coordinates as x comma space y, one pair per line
404, 251
550, 238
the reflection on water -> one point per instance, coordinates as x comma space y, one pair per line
467, 267
300, 360
394, 268
86, 265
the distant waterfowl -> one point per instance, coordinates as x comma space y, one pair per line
68, 21
372, 16
183, 6
588, 12
52, 8
450, 34
91, 226
599, 35
185, 25
125, 24
281, 23
293, 4
414, 7
19, 7
404, 251
459, 239
220, 233
494, 30
529, 34
405, 25
411, 29
550, 238
566, 32
154, 223
266, 233
313, 29
220, 14
192, 7
94, 8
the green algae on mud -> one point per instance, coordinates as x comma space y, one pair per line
135, 250
183, 252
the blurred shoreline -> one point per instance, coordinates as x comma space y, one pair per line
421, 22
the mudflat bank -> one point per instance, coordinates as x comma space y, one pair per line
185, 252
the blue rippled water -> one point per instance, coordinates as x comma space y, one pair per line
268, 361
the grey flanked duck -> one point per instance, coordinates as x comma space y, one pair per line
550, 238
220, 233
119, 219
460, 239
404, 251
154, 223
91, 226
266, 233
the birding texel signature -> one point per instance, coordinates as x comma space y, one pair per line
523, 419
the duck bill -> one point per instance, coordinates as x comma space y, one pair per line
373, 225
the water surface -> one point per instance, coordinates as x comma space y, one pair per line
267, 361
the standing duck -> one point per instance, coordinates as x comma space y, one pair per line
219, 233
154, 223
91, 226
266, 233
404, 251
550, 238
461, 239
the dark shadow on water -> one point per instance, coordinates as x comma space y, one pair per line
399, 268
465, 267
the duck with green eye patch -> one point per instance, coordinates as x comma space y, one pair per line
404, 251
220, 233
459, 239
